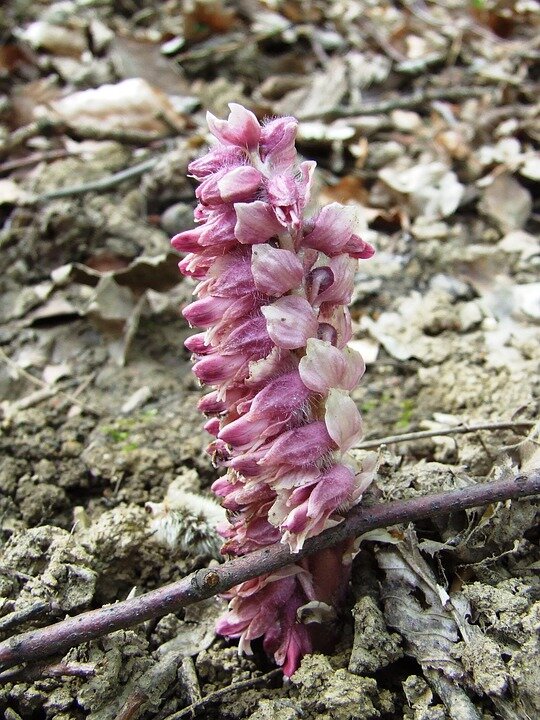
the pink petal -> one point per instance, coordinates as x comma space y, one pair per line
187, 241
249, 338
255, 222
358, 248
271, 408
275, 271
210, 404
290, 321
334, 227
340, 291
334, 487
215, 160
212, 426
215, 369
197, 345
307, 170
239, 184
207, 311
230, 275
317, 281
277, 143
241, 128
300, 446
324, 367
342, 419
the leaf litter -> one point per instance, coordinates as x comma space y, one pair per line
424, 117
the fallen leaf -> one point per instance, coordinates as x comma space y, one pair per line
132, 104
507, 203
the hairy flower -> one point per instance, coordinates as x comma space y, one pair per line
272, 300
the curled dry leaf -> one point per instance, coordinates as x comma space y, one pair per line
132, 104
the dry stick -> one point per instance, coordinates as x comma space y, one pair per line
18, 617
30, 160
46, 126
457, 430
404, 102
202, 584
104, 183
43, 394
218, 694
41, 670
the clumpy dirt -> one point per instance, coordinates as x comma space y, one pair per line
98, 405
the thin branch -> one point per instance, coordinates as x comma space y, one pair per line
190, 710
104, 183
33, 159
47, 391
202, 584
48, 127
18, 617
456, 430
403, 102
43, 670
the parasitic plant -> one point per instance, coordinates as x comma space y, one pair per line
273, 289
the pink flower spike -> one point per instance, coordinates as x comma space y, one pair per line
271, 296
334, 227
239, 184
290, 321
275, 271
256, 222
241, 128
342, 419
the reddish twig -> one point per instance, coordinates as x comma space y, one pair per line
57, 638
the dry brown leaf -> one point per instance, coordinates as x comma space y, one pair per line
507, 203
129, 105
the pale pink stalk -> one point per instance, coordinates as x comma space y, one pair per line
272, 300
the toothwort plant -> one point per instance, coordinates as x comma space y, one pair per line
272, 302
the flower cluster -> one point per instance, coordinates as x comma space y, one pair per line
272, 303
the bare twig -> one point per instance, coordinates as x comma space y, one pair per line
33, 159
47, 127
42, 670
18, 617
104, 183
403, 102
47, 391
456, 430
217, 695
190, 680
130, 709
205, 583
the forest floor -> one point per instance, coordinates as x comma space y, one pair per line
424, 115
